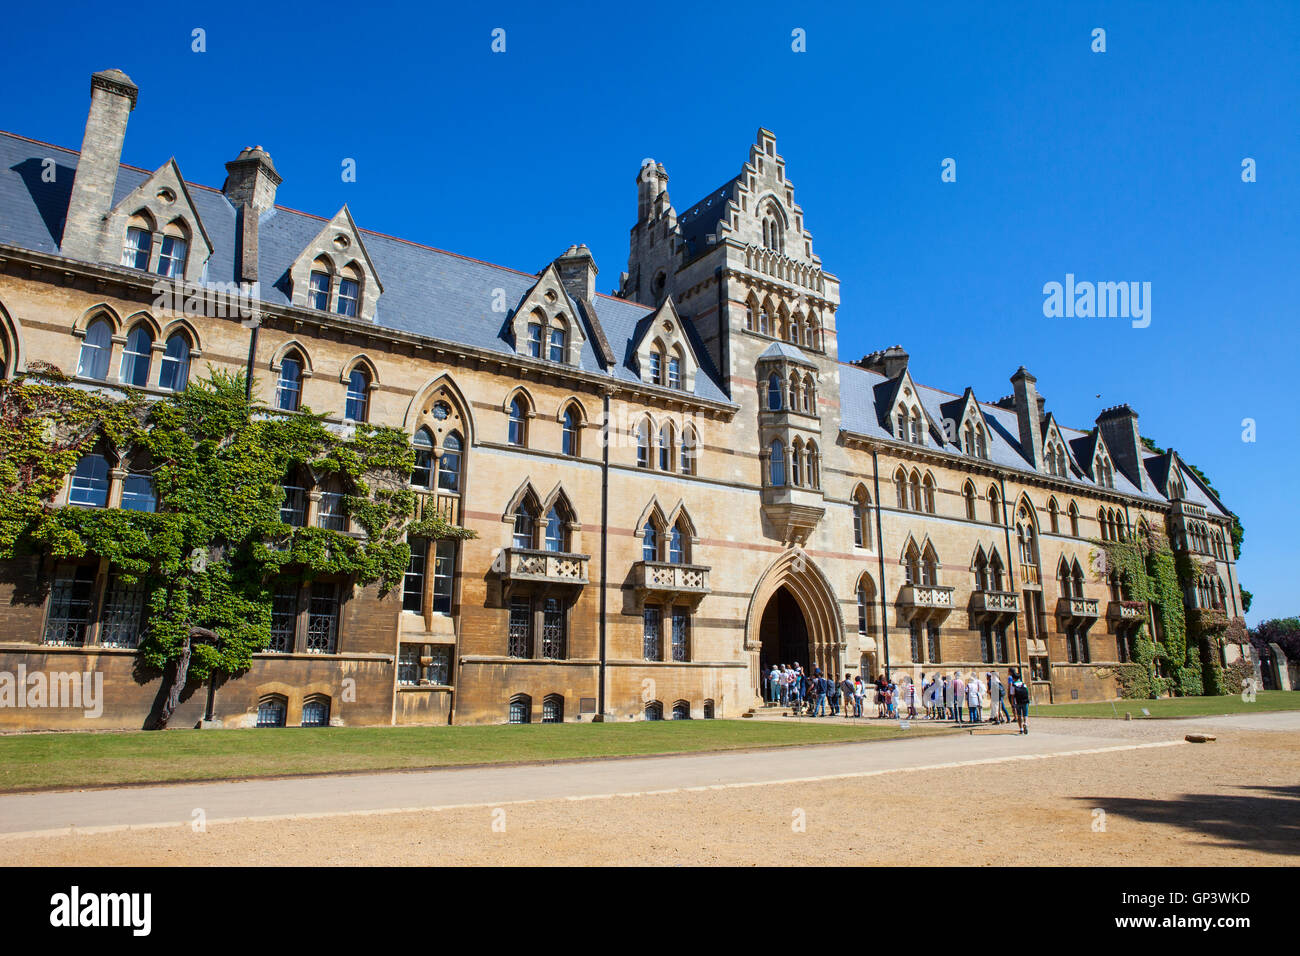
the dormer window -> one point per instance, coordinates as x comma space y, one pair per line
171, 255
558, 344
535, 339
319, 293
656, 366
349, 296
674, 372
135, 253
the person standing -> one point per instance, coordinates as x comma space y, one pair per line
911, 700
819, 684
974, 697
859, 689
1022, 703
958, 695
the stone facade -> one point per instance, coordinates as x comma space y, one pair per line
798, 507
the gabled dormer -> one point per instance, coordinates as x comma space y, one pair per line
1100, 464
544, 324
1056, 451
903, 414
663, 351
335, 273
157, 229
973, 432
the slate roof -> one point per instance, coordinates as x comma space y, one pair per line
427, 291
701, 220
865, 396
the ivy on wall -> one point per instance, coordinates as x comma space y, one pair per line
210, 556
1151, 573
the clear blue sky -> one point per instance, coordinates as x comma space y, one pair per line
1117, 166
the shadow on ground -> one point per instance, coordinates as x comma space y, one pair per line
1266, 820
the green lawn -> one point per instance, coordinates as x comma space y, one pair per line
35, 761
1175, 706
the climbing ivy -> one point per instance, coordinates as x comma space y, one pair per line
1151, 573
210, 556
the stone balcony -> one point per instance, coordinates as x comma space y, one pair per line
1207, 618
1126, 612
440, 503
528, 566
665, 580
793, 511
1078, 609
924, 602
994, 606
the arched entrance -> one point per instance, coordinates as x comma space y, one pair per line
794, 616
782, 634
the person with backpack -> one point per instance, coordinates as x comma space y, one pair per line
1020, 691
848, 689
819, 688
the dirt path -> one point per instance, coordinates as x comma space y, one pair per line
1232, 802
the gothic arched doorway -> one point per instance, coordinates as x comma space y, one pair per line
782, 635
794, 616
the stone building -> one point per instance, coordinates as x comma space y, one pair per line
757, 500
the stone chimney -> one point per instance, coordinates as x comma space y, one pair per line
578, 272
651, 183
250, 185
1029, 416
888, 362
1119, 427
112, 98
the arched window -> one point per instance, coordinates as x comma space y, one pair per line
689, 446
316, 712
776, 464
552, 709
521, 709
174, 250
422, 473
900, 422
535, 339
995, 571
1025, 538
449, 465
927, 494
916, 434
175, 372
318, 285
674, 371
90, 482
138, 245
557, 343
792, 402
774, 392
525, 526
929, 567
1101, 523
809, 395
654, 710
900, 488
1076, 578
518, 429
649, 542
995, 505
968, 496
708, 710
666, 445
862, 519
796, 463
288, 389
556, 534
643, 444
357, 404
1074, 519
271, 711
136, 357
866, 604
968, 439
981, 571
569, 432
914, 491
749, 317
1063, 577
681, 710
96, 349
1052, 516
912, 564
349, 292
677, 545
981, 442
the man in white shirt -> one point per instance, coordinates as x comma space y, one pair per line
974, 697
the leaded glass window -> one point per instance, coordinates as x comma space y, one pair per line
70, 605
408, 665
553, 709
521, 710
651, 623
681, 634
270, 712
413, 582
444, 562
316, 713
932, 642
284, 619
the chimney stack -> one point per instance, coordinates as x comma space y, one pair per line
112, 98
1029, 416
1119, 427
888, 362
250, 185
578, 272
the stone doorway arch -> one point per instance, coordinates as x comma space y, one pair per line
802, 582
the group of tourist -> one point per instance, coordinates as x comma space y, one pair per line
952, 697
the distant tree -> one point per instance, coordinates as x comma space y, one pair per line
1282, 631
